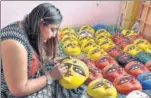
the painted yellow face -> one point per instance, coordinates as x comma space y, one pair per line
101, 88
142, 43
70, 41
88, 46
101, 38
66, 30
95, 53
71, 49
132, 49
102, 32
106, 45
128, 32
67, 38
76, 75
87, 28
85, 39
70, 34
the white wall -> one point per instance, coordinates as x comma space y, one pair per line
74, 12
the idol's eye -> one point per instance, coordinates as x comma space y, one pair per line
105, 42
101, 31
78, 70
131, 48
97, 85
133, 67
113, 49
68, 65
69, 45
140, 42
103, 60
101, 37
68, 38
95, 51
128, 32
147, 77
97, 70
110, 70
83, 32
123, 81
124, 41
88, 44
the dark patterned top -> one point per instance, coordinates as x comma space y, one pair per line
54, 90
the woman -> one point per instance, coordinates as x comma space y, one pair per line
28, 51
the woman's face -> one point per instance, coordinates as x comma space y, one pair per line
48, 31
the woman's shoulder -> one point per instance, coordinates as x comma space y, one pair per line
13, 30
16, 35
14, 26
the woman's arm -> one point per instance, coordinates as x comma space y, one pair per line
14, 58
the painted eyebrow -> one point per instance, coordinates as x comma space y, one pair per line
75, 66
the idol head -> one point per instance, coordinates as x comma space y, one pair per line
135, 68
126, 83
145, 80
94, 72
76, 75
101, 88
110, 72
105, 60
114, 51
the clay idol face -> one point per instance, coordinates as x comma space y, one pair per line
102, 32
87, 28
143, 57
114, 51
124, 58
142, 43
76, 75
95, 53
105, 61
94, 72
135, 68
128, 32
71, 49
101, 88
127, 83
111, 72
117, 36
123, 42
132, 49
145, 80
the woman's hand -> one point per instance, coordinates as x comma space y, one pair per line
58, 71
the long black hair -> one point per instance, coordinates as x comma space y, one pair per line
48, 14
